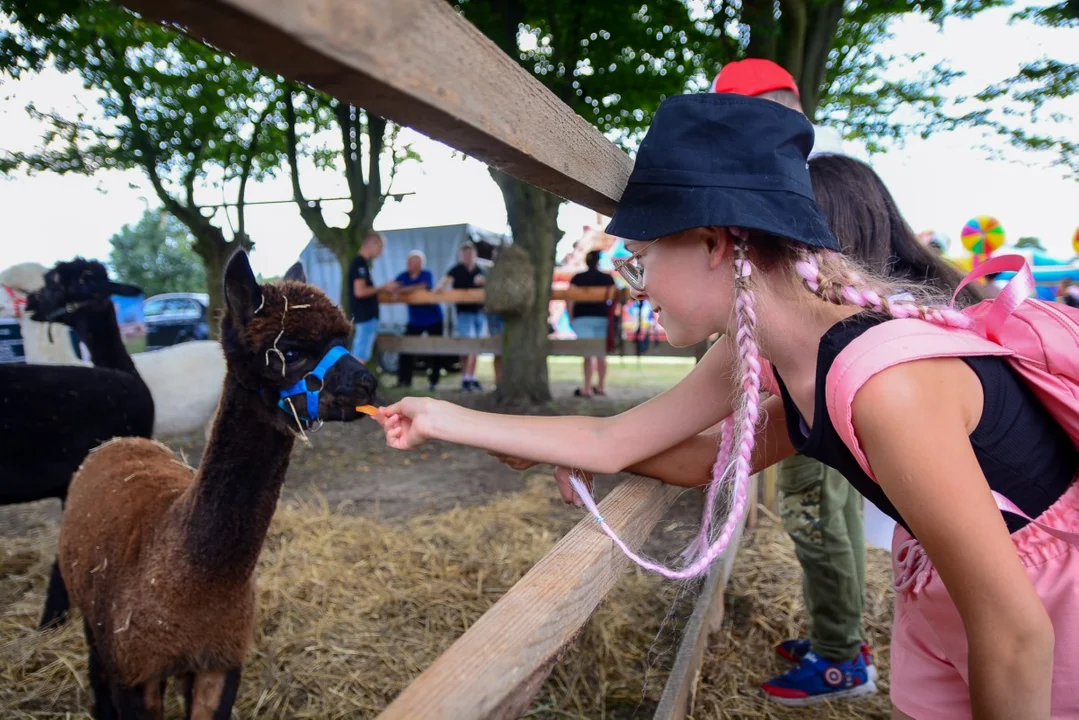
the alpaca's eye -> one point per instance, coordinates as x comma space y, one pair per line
292, 356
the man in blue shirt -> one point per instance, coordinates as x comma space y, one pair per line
422, 319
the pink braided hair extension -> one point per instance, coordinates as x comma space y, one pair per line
747, 420
853, 290
719, 470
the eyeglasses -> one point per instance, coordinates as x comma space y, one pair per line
631, 269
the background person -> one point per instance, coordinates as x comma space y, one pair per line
471, 321
422, 319
363, 302
590, 320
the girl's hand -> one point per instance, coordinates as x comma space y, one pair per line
407, 423
569, 495
561, 477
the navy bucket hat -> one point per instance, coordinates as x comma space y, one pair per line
723, 160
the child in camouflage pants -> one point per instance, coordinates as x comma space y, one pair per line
822, 513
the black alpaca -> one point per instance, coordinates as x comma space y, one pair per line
51, 416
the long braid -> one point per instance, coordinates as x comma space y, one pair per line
719, 474
842, 287
749, 361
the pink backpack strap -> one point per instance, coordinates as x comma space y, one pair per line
883, 346
1008, 506
1011, 296
893, 343
768, 378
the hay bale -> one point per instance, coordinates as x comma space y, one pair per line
511, 283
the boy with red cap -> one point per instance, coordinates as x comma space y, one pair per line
765, 79
821, 511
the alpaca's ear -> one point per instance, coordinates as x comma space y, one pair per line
242, 293
296, 273
124, 289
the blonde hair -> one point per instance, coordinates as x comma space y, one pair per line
842, 280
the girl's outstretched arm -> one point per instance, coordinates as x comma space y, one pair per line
914, 422
689, 463
603, 445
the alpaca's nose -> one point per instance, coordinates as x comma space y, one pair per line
361, 384
368, 381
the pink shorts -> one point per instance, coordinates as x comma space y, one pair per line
929, 645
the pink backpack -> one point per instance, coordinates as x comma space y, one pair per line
1039, 340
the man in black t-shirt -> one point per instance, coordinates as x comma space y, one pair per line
590, 321
471, 322
363, 298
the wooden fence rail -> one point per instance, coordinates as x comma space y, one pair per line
680, 693
478, 296
420, 64
425, 345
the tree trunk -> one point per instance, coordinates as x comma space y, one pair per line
764, 43
215, 251
533, 219
345, 243
823, 24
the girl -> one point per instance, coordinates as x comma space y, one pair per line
819, 508
726, 237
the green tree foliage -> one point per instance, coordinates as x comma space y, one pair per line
156, 254
1033, 93
836, 52
167, 105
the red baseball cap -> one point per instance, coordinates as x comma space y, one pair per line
753, 76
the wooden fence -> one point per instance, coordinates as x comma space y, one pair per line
420, 64
426, 345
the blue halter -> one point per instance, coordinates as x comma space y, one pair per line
300, 388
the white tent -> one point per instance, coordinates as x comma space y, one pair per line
439, 243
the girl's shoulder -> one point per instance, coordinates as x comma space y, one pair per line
846, 331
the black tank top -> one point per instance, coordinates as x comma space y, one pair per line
1025, 455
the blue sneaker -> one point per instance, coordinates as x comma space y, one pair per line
794, 650
816, 680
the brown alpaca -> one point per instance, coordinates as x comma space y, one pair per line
160, 558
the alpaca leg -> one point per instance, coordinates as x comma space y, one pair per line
99, 683
188, 681
141, 702
154, 697
56, 601
213, 695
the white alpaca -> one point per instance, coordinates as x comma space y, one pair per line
185, 380
44, 343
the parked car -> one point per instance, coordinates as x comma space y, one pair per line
173, 318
